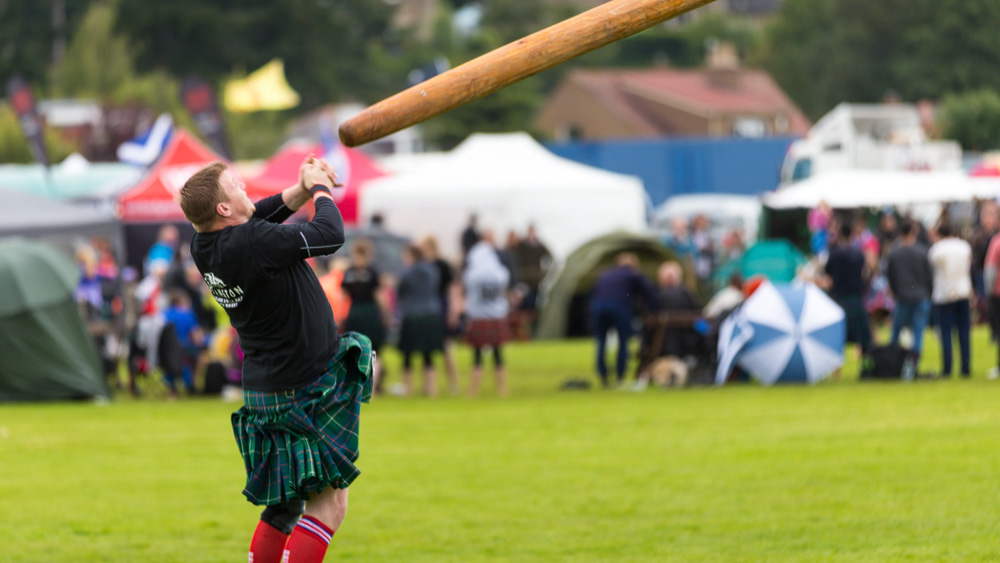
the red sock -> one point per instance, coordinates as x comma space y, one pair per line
267, 544
308, 542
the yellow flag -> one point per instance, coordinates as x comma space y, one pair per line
263, 89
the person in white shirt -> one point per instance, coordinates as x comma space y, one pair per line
727, 298
951, 263
486, 282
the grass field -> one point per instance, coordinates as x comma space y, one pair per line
842, 471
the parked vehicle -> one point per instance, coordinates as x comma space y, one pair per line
725, 212
868, 137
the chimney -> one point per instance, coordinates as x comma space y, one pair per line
723, 65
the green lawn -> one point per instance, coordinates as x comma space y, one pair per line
842, 471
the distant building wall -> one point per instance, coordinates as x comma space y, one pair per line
682, 166
575, 114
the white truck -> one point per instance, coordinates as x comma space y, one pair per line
868, 137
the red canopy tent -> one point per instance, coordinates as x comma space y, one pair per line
154, 199
986, 168
282, 170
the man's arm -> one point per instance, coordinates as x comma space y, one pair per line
990, 265
273, 208
929, 273
325, 233
824, 278
645, 289
281, 246
890, 274
279, 207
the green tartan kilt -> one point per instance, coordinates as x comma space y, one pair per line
300, 441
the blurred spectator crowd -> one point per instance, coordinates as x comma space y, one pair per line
161, 325
885, 270
161, 329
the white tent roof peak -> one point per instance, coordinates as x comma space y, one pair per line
513, 161
518, 145
510, 181
75, 163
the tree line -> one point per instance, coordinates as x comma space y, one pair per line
821, 52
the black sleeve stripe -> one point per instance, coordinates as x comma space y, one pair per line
275, 212
308, 250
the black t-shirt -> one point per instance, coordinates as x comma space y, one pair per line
361, 284
445, 276
678, 298
257, 272
469, 239
909, 273
846, 266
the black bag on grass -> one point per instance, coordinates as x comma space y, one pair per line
884, 362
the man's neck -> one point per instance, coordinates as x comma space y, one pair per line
220, 224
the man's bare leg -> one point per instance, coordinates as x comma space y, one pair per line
407, 382
501, 375
328, 506
325, 512
449, 365
430, 381
475, 381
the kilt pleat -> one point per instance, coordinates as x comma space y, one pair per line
300, 441
421, 333
487, 332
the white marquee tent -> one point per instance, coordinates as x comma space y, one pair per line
509, 181
876, 188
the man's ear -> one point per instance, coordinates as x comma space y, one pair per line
222, 208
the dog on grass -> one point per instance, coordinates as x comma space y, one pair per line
669, 371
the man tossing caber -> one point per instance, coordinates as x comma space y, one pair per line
303, 385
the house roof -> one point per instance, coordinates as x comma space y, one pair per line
631, 94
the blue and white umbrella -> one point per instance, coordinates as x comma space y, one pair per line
784, 334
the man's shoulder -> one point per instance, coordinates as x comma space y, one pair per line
952, 245
250, 233
844, 251
845, 257
227, 236
905, 251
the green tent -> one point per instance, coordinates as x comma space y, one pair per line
45, 351
560, 314
777, 259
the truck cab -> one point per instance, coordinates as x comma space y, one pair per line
868, 137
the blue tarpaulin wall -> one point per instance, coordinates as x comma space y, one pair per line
681, 166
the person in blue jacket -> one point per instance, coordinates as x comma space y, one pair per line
615, 293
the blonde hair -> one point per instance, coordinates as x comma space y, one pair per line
86, 255
201, 193
362, 250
